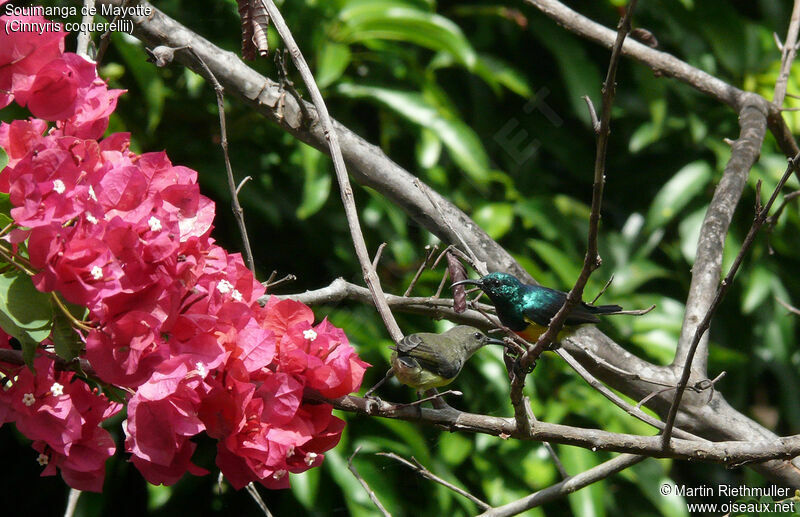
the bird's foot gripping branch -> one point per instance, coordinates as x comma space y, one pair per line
113, 287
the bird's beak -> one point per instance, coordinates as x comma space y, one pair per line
495, 341
468, 281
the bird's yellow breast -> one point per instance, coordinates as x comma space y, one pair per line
416, 376
533, 331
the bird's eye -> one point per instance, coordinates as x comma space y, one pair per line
478, 335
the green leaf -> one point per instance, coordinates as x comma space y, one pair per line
495, 71
635, 273
649, 476
5, 209
332, 60
429, 149
677, 192
24, 312
3, 158
579, 73
689, 231
644, 135
463, 144
397, 21
158, 496
317, 184
562, 265
146, 76
455, 448
496, 219
588, 501
305, 487
67, 341
357, 500
758, 285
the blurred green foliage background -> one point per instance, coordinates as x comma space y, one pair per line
481, 100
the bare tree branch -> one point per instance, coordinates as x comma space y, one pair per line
238, 211
723, 288
364, 484
732, 453
370, 167
788, 51
84, 36
572, 484
670, 66
707, 266
367, 269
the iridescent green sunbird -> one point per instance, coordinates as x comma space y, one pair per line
527, 309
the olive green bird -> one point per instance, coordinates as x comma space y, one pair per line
527, 309
426, 360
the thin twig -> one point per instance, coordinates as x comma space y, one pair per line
288, 278
478, 265
788, 51
242, 183
251, 489
790, 308
105, 39
723, 288
430, 251
238, 212
788, 198
592, 259
547, 445
603, 290
435, 396
634, 411
378, 254
364, 484
439, 289
592, 114
371, 278
84, 36
559, 490
422, 471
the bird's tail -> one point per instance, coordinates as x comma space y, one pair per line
606, 309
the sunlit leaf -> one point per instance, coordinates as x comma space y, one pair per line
332, 61
677, 193
562, 265
496, 219
24, 312
391, 20
151, 85
463, 144
317, 184
429, 148
67, 341
588, 501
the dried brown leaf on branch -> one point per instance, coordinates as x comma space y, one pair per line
255, 21
457, 274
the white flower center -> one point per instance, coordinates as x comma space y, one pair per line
310, 457
310, 334
154, 224
57, 389
224, 286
